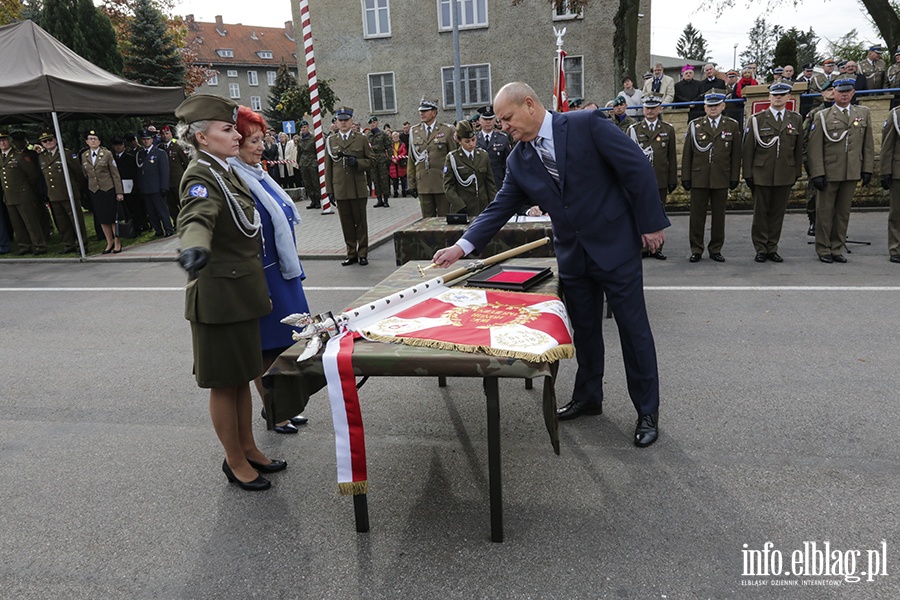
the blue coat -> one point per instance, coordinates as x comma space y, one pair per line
153, 170
606, 198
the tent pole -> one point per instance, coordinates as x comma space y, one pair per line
65, 167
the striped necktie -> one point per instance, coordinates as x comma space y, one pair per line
547, 158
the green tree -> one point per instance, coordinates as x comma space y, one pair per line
786, 50
848, 47
761, 40
295, 102
151, 57
275, 113
691, 45
807, 47
85, 30
10, 11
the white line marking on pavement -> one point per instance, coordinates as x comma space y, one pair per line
159, 289
770, 288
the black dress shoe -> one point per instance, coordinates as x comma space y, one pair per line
717, 257
378, 204
812, 228
23, 252
826, 258
658, 255
774, 257
257, 485
839, 258
299, 420
760, 257
695, 257
107, 251
287, 428
646, 431
363, 261
348, 262
895, 258
312, 205
272, 467
576, 408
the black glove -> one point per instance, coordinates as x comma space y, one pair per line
866, 178
686, 185
749, 182
349, 160
733, 185
886, 182
819, 182
193, 259
673, 187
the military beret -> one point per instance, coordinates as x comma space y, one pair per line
876, 48
713, 98
427, 104
18, 136
778, 70
166, 129
844, 85
828, 85
146, 134
117, 140
4, 133
619, 101
828, 61
206, 107
343, 113
373, 119
474, 117
304, 123
90, 133
575, 102
46, 136
651, 101
809, 66
487, 112
780, 88
464, 130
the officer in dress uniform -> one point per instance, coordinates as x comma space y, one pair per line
308, 164
873, 68
890, 179
153, 181
20, 176
710, 166
828, 74
381, 148
495, 142
105, 187
840, 139
347, 157
429, 144
656, 139
773, 159
125, 162
468, 177
892, 78
179, 157
811, 191
50, 161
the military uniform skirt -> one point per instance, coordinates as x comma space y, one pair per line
227, 354
104, 203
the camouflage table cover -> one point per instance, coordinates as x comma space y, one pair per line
289, 384
423, 238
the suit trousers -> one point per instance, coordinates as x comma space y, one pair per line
769, 205
354, 226
433, 205
27, 227
833, 216
158, 212
624, 290
173, 205
701, 199
65, 223
135, 204
894, 219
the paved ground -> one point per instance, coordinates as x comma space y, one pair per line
779, 385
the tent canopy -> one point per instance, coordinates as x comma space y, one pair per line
41, 75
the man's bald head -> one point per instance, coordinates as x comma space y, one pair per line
516, 93
519, 111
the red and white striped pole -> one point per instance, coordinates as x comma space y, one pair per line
327, 209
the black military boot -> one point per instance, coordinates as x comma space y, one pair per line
812, 224
385, 201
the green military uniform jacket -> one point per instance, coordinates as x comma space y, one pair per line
469, 183
179, 158
381, 145
892, 78
890, 135
659, 148
102, 174
773, 153
424, 170
874, 73
51, 167
625, 123
347, 182
819, 79
306, 151
19, 174
712, 157
843, 148
232, 286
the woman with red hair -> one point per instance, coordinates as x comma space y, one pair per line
278, 217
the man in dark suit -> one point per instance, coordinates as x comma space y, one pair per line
601, 194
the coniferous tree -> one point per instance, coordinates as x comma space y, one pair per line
275, 113
85, 30
691, 45
761, 40
786, 50
151, 57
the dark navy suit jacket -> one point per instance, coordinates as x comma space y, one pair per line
606, 198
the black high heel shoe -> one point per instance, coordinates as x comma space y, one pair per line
257, 485
273, 467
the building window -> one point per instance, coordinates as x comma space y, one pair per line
213, 79
564, 12
475, 83
574, 70
270, 77
266, 54
472, 13
255, 103
382, 97
376, 18
225, 53
232, 73
234, 90
252, 79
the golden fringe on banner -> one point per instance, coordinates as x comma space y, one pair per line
552, 355
353, 488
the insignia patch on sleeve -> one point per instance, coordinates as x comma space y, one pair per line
445, 169
813, 126
198, 191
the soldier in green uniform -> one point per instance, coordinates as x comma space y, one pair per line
828, 74
656, 139
840, 138
773, 162
429, 144
308, 163
468, 177
827, 102
347, 157
19, 175
892, 78
50, 161
873, 68
179, 157
381, 148
890, 179
710, 166
619, 115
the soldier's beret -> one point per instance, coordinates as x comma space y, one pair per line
876, 48
18, 136
780, 88
373, 119
487, 112
146, 134
844, 85
732, 73
827, 85
206, 107
46, 136
304, 123
464, 130
808, 67
474, 117
90, 133
652, 101
4, 134
166, 129
117, 140
828, 61
343, 113
713, 98
778, 70
575, 102
619, 101
427, 104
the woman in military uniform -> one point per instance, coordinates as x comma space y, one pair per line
105, 187
468, 177
226, 293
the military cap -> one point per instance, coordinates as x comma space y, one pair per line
651, 101
780, 88
46, 135
464, 130
4, 133
828, 61
427, 104
778, 70
732, 73
117, 140
897, 52
166, 129
303, 122
487, 112
91, 132
713, 98
619, 101
828, 85
474, 117
206, 107
575, 102
343, 113
876, 48
373, 119
129, 136
146, 134
844, 85
809, 66
843, 63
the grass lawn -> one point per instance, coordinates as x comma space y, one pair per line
92, 246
